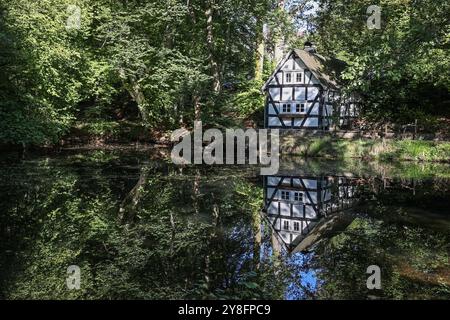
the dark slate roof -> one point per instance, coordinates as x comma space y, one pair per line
326, 70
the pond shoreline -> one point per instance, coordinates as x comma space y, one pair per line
383, 150
322, 147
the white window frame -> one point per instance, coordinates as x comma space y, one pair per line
298, 196
286, 107
297, 74
285, 195
285, 225
296, 226
301, 107
288, 77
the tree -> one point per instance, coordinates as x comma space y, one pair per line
43, 70
398, 69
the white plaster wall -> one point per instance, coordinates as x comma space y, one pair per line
287, 94
275, 93
310, 122
274, 122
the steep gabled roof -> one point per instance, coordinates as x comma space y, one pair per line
326, 70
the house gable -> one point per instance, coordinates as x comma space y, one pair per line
317, 69
292, 64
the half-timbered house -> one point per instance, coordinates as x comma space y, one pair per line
304, 93
296, 207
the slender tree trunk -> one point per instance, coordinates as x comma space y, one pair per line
212, 236
280, 42
197, 108
256, 221
276, 247
135, 91
260, 55
22, 150
127, 209
191, 11
227, 51
210, 45
196, 192
259, 68
138, 96
173, 229
196, 97
279, 50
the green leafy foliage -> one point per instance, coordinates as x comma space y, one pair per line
150, 57
398, 70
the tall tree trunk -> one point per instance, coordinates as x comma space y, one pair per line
196, 96
135, 91
210, 45
196, 192
138, 96
259, 68
279, 50
227, 50
276, 248
173, 235
260, 55
127, 209
280, 42
256, 224
22, 150
212, 236
197, 108
191, 11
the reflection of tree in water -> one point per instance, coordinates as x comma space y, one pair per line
151, 231
134, 231
413, 254
412, 261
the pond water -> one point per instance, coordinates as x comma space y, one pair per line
139, 227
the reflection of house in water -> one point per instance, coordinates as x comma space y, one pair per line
302, 209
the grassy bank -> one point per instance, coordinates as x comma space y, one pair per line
353, 167
388, 150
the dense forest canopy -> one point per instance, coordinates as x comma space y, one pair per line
165, 63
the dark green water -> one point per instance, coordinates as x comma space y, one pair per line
141, 228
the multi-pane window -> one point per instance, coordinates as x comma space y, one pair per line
288, 77
298, 196
300, 108
296, 226
286, 225
285, 195
286, 107
299, 77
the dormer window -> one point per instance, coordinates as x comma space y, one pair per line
288, 77
299, 77
286, 225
